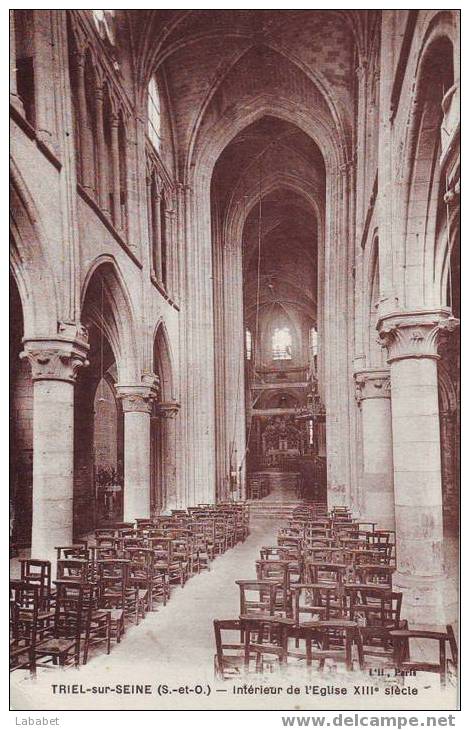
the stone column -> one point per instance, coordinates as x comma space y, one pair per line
166, 245
137, 402
45, 83
167, 412
412, 339
15, 100
102, 156
54, 367
116, 212
170, 251
377, 502
157, 236
84, 132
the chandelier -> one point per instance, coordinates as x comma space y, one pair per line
314, 410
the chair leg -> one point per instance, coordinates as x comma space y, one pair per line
85, 648
360, 649
108, 634
442, 662
32, 661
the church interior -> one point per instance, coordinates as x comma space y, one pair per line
234, 342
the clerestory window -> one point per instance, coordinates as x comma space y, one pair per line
154, 118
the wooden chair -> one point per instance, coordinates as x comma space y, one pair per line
229, 659
185, 552
24, 608
144, 575
38, 572
115, 594
277, 572
71, 620
241, 524
255, 489
336, 639
97, 628
319, 601
377, 611
230, 530
200, 545
266, 637
175, 569
220, 540
401, 654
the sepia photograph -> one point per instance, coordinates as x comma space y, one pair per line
234, 365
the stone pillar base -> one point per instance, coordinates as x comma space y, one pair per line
428, 602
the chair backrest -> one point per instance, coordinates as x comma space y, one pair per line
37, 572
276, 631
105, 532
74, 602
256, 596
377, 573
162, 547
270, 552
24, 609
113, 579
278, 569
72, 569
317, 601
377, 607
77, 551
221, 626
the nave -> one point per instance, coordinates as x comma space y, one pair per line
235, 264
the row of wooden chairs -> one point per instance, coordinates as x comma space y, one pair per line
256, 644
100, 587
318, 596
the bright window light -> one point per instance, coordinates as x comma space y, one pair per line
282, 344
248, 344
154, 118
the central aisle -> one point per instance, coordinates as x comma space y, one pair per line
173, 646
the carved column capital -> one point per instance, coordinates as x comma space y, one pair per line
168, 409
59, 357
139, 398
372, 383
415, 334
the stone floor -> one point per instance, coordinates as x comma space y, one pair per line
174, 648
